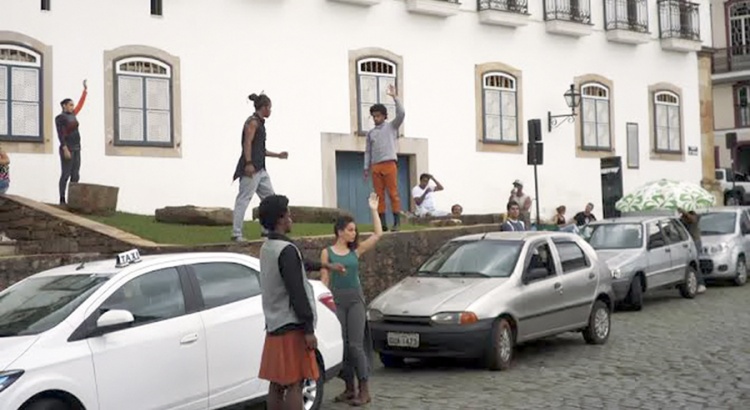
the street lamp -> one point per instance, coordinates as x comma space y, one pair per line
573, 99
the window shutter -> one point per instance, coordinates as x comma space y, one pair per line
674, 128
368, 95
130, 108
602, 124
3, 100
589, 122
510, 128
158, 110
662, 127
25, 102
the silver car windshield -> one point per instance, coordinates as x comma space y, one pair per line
38, 304
717, 223
615, 236
483, 258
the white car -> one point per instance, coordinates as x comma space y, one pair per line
180, 331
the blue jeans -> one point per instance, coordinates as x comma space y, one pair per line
4, 184
699, 273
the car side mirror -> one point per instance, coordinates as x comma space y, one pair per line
114, 319
535, 274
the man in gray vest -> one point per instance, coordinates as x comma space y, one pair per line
289, 309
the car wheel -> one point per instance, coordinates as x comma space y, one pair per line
689, 288
312, 390
635, 294
741, 277
597, 331
501, 348
390, 361
47, 404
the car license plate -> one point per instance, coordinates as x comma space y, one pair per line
403, 339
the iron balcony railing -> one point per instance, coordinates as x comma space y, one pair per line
679, 19
629, 15
578, 11
734, 58
513, 6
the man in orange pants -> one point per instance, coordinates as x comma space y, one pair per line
381, 158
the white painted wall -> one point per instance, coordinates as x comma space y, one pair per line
296, 50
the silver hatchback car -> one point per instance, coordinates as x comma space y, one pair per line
480, 295
645, 253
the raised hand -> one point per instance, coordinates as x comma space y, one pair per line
391, 91
373, 201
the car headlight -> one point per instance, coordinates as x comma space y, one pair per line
616, 273
719, 248
8, 377
454, 318
374, 315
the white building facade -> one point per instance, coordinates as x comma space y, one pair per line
168, 95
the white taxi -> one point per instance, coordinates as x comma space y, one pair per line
180, 331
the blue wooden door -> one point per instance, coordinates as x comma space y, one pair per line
352, 190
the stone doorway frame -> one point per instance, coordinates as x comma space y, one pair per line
331, 143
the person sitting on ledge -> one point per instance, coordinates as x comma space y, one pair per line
457, 210
423, 196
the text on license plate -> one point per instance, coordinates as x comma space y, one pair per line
403, 339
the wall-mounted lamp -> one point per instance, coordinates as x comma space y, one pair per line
573, 99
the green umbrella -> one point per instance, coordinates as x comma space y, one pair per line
665, 194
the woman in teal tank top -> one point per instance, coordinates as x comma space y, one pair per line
350, 301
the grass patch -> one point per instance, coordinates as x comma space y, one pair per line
146, 227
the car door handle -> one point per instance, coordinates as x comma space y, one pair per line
592, 275
189, 339
667, 250
684, 245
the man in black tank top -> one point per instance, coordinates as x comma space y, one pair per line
251, 166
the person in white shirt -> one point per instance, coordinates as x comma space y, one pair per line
423, 195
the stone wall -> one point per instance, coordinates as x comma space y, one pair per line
397, 255
44, 229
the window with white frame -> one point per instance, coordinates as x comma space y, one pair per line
595, 124
143, 102
667, 115
374, 75
20, 94
500, 108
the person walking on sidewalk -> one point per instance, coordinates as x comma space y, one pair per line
691, 221
251, 167
288, 356
350, 302
381, 160
70, 142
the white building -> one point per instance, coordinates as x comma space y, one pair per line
635, 61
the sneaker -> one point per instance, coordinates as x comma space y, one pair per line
701, 289
239, 239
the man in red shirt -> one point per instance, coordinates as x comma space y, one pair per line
70, 141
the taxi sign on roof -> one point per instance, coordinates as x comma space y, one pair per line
126, 258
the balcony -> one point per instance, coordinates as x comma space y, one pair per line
438, 8
365, 3
626, 21
509, 13
679, 25
568, 17
731, 63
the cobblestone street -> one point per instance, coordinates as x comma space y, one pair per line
675, 354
